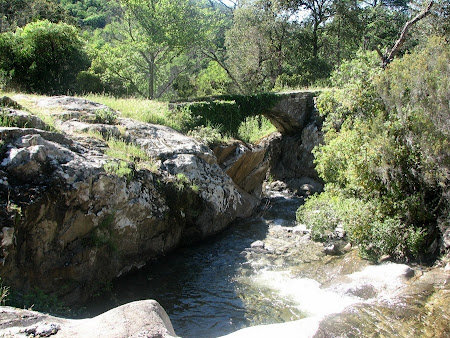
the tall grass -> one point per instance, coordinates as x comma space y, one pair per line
149, 111
253, 128
28, 102
4, 292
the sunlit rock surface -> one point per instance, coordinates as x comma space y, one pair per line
292, 112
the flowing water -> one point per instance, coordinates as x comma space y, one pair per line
264, 270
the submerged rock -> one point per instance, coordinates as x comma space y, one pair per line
144, 318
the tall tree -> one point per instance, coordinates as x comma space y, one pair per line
161, 30
343, 34
256, 45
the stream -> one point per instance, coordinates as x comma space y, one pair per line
265, 270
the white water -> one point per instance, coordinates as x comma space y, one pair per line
381, 282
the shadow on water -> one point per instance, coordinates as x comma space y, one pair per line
198, 286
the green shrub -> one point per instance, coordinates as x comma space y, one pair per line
323, 213
6, 120
120, 169
88, 82
353, 94
225, 112
364, 225
208, 135
44, 57
392, 237
253, 128
181, 181
105, 116
37, 300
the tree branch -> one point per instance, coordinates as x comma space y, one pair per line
388, 57
211, 55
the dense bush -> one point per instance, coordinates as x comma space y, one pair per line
386, 145
42, 57
364, 224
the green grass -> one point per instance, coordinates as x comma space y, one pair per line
120, 169
130, 152
126, 151
149, 111
28, 102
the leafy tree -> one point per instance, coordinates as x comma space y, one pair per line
320, 11
392, 52
158, 48
44, 57
92, 13
212, 80
343, 35
164, 30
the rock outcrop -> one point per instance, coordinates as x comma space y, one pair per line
74, 217
291, 166
247, 165
69, 226
144, 318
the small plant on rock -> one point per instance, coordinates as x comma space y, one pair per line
181, 181
120, 169
209, 135
6, 120
4, 291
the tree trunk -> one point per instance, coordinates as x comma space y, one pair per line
315, 39
151, 77
389, 56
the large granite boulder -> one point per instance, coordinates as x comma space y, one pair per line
69, 226
145, 318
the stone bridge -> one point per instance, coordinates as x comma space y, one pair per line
291, 112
